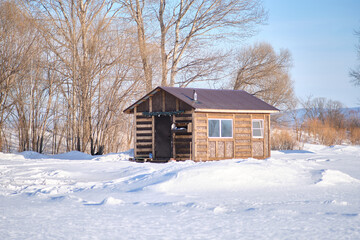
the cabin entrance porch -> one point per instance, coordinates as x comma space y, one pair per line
163, 138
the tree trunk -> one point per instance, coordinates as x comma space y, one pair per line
164, 57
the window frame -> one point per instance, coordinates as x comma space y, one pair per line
220, 124
261, 128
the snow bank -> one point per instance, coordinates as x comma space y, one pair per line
335, 177
33, 155
232, 175
73, 155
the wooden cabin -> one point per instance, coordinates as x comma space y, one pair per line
200, 124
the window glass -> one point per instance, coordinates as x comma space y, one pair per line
256, 124
214, 129
257, 133
226, 128
258, 128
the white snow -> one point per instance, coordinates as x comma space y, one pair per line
305, 194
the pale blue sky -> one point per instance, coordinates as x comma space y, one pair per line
320, 37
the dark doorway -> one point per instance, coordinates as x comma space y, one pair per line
163, 138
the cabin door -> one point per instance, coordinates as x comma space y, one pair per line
163, 137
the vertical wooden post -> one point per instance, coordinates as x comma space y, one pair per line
251, 136
174, 121
216, 149
264, 142
173, 139
150, 104
269, 138
234, 141
191, 149
163, 101
207, 137
152, 129
177, 104
135, 113
193, 139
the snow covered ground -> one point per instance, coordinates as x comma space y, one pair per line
308, 194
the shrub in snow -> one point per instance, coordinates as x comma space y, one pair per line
282, 140
355, 136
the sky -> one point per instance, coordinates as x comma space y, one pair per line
320, 34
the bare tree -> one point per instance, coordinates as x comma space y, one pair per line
334, 114
135, 9
265, 74
188, 29
314, 108
200, 22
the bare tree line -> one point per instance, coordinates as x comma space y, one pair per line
68, 68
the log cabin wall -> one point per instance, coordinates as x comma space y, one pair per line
144, 127
143, 136
240, 145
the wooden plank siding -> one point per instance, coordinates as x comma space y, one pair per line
242, 136
144, 131
241, 145
143, 136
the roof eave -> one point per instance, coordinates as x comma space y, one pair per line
234, 111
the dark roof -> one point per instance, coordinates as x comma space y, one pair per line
214, 99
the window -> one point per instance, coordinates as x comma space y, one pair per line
258, 128
220, 128
214, 129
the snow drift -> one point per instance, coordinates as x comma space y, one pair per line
75, 195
